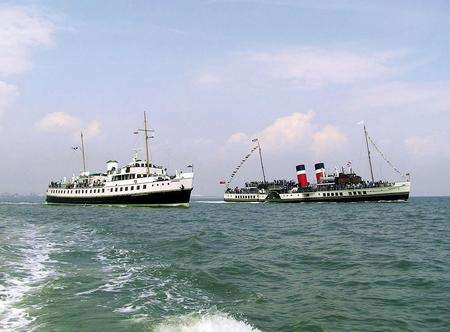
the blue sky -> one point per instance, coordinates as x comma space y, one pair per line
214, 74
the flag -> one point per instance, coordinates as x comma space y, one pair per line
190, 166
222, 182
255, 140
75, 147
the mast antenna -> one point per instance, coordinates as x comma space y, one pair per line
368, 154
146, 137
82, 152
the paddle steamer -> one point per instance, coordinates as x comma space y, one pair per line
138, 182
338, 186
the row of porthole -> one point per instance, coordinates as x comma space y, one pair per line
76, 191
350, 193
247, 196
98, 191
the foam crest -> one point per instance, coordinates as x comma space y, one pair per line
217, 322
32, 271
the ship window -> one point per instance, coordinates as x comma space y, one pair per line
131, 188
116, 189
354, 193
144, 186
341, 194
103, 190
126, 188
365, 192
138, 187
349, 193
111, 189
139, 175
306, 195
359, 193
121, 188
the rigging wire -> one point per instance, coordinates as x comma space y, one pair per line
385, 158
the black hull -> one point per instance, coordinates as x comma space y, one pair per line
180, 197
344, 199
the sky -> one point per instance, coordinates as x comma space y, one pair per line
212, 75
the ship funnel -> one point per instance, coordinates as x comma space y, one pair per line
320, 171
301, 176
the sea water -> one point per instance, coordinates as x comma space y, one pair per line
226, 267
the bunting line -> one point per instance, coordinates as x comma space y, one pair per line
241, 163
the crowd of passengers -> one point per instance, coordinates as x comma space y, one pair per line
72, 185
361, 185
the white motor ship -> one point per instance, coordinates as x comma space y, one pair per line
138, 182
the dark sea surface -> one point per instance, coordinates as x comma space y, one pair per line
226, 267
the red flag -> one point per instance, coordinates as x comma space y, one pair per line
222, 182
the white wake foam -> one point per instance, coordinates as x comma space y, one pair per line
30, 273
217, 322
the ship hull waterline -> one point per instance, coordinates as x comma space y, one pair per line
344, 199
159, 199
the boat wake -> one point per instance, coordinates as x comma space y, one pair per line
23, 278
217, 322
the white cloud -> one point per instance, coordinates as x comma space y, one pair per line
93, 129
426, 95
58, 121
433, 145
7, 94
307, 67
21, 30
207, 79
287, 131
66, 123
293, 131
327, 140
237, 138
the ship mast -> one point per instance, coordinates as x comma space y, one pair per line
82, 152
368, 154
261, 160
147, 151
146, 137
